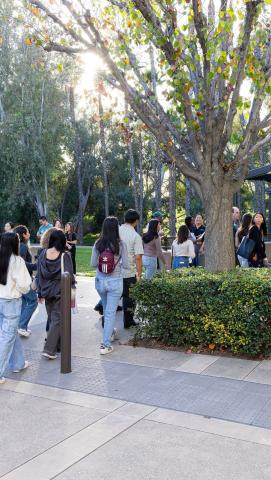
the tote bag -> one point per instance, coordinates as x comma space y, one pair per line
246, 247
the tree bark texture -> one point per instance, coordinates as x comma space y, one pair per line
104, 158
188, 195
172, 200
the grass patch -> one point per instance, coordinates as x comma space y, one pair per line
83, 267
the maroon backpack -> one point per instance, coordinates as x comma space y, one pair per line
106, 262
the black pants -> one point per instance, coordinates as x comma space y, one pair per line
73, 255
54, 316
128, 303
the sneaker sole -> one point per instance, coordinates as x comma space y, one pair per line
51, 357
102, 352
26, 365
2, 380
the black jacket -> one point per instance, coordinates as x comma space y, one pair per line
49, 275
26, 255
259, 249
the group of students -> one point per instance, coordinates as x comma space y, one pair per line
20, 292
119, 255
252, 228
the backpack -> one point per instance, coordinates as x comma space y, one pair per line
106, 262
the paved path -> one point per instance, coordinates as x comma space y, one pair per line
138, 412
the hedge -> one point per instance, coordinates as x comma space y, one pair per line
196, 308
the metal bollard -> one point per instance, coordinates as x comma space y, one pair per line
65, 323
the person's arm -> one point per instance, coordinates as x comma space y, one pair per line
139, 251
73, 241
138, 259
159, 251
191, 249
124, 255
21, 276
94, 257
38, 233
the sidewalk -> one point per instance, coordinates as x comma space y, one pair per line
137, 412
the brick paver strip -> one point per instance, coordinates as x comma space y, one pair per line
234, 400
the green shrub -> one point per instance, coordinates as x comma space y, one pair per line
90, 238
202, 309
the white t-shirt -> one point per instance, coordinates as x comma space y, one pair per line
185, 249
18, 279
134, 246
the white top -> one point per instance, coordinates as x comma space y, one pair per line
134, 246
185, 249
18, 279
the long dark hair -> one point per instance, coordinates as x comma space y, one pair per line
57, 240
244, 227
109, 238
263, 225
21, 230
71, 227
183, 234
152, 231
9, 245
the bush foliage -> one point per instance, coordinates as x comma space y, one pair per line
193, 307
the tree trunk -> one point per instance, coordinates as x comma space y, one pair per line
77, 153
219, 244
104, 159
132, 160
188, 194
172, 200
141, 186
259, 199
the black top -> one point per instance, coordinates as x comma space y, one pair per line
70, 237
26, 255
199, 231
256, 234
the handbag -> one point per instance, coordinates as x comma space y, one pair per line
73, 290
246, 247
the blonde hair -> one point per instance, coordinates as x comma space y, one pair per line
45, 238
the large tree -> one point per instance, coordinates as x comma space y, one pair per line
205, 57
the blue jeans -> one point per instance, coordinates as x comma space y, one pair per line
11, 351
29, 305
150, 265
110, 290
180, 262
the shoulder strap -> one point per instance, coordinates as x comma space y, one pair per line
62, 263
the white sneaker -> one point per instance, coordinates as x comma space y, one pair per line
26, 365
24, 333
104, 350
51, 356
114, 335
2, 380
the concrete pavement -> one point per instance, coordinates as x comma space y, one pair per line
137, 412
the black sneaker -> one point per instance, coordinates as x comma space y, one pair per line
99, 308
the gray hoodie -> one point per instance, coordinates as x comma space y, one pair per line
49, 275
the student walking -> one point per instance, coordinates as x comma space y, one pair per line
49, 287
29, 300
134, 270
257, 232
152, 249
110, 256
14, 281
242, 232
182, 248
71, 239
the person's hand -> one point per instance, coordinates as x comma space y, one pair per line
265, 262
138, 277
40, 300
68, 246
